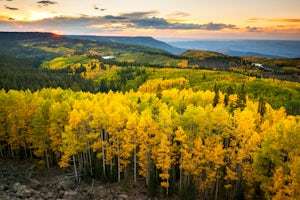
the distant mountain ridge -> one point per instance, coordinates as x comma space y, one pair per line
248, 53
45, 46
262, 48
139, 40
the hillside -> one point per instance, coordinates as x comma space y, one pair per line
264, 48
278, 68
82, 119
78, 64
211, 60
45, 46
144, 41
248, 53
201, 55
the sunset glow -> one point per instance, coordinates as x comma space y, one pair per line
40, 15
56, 32
169, 19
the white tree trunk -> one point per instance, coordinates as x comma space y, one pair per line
75, 169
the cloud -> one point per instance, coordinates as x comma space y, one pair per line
219, 26
121, 22
154, 22
46, 3
253, 29
111, 17
10, 8
139, 15
161, 23
147, 20
255, 19
285, 20
97, 8
178, 14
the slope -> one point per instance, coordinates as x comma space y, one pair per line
144, 41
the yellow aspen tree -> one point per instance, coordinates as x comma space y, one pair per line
294, 178
279, 188
162, 144
164, 161
220, 124
217, 121
275, 162
40, 137
86, 107
194, 162
146, 131
30, 110
245, 143
72, 137
97, 123
156, 85
3, 116
109, 148
170, 97
202, 98
58, 116
181, 147
79, 121
215, 160
117, 118
192, 119
129, 143
16, 123
70, 147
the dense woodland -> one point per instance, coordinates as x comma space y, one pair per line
25, 73
204, 144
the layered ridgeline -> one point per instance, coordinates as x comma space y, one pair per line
202, 144
144, 41
262, 48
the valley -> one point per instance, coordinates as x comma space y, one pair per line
133, 115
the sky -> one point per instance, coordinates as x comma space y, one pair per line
168, 20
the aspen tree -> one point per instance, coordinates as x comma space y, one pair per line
129, 143
72, 138
164, 161
181, 139
245, 142
146, 131
162, 151
275, 162
58, 116
40, 138
3, 125
117, 118
16, 123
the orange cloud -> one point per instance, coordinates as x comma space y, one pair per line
6, 18
285, 20
173, 20
278, 29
